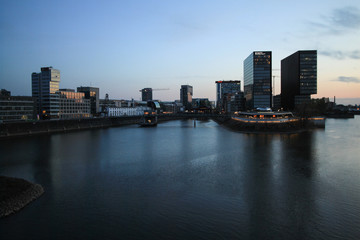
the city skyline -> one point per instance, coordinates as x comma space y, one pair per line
124, 47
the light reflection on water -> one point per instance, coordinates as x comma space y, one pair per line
180, 182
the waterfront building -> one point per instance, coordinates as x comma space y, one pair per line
186, 93
92, 93
146, 94
201, 105
298, 78
126, 111
16, 108
257, 80
229, 97
73, 104
44, 89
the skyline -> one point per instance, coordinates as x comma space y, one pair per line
124, 47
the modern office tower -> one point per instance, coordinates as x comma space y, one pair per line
73, 104
257, 78
298, 78
91, 93
146, 94
227, 92
16, 108
186, 93
44, 87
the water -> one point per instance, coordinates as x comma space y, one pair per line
180, 182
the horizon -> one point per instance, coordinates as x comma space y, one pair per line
124, 47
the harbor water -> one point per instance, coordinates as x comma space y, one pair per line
182, 180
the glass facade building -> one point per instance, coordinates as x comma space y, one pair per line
298, 78
44, 89
257, 80
186, 93
228, 93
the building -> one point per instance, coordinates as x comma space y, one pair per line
201, 105
277, 102
146, 94
92, 93
16, 108
73, 104
298, 78
227, 91
44, 89
257, 80
186, 93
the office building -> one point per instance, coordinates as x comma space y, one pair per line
229, 93
298, 78
257, 80
16, 108
92, 93
44, 89
146, 94
186, 93
73, 104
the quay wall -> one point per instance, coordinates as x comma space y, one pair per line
13, 129
52, 126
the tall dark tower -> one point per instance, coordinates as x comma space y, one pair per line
186, 93
298, 78
146, 94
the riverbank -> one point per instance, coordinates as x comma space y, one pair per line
15, 129
16, 193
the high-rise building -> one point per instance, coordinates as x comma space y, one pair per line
257, 78
44, 87
146, 94
228, 93
91, 93
298, 78
186, 93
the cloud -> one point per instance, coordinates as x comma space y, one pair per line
339, 21
348, 79
340, 55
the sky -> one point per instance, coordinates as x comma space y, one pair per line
124, 46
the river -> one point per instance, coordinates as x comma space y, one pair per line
177, 181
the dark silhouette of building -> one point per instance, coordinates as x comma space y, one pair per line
91, 93
186, 93
298, 78
44, 89
257, 80
146, 94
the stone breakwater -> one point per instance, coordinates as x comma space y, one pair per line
16, 193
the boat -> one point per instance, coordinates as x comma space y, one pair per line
149, 119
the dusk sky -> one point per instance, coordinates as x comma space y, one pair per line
124, 46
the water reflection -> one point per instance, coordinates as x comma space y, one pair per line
180, 182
